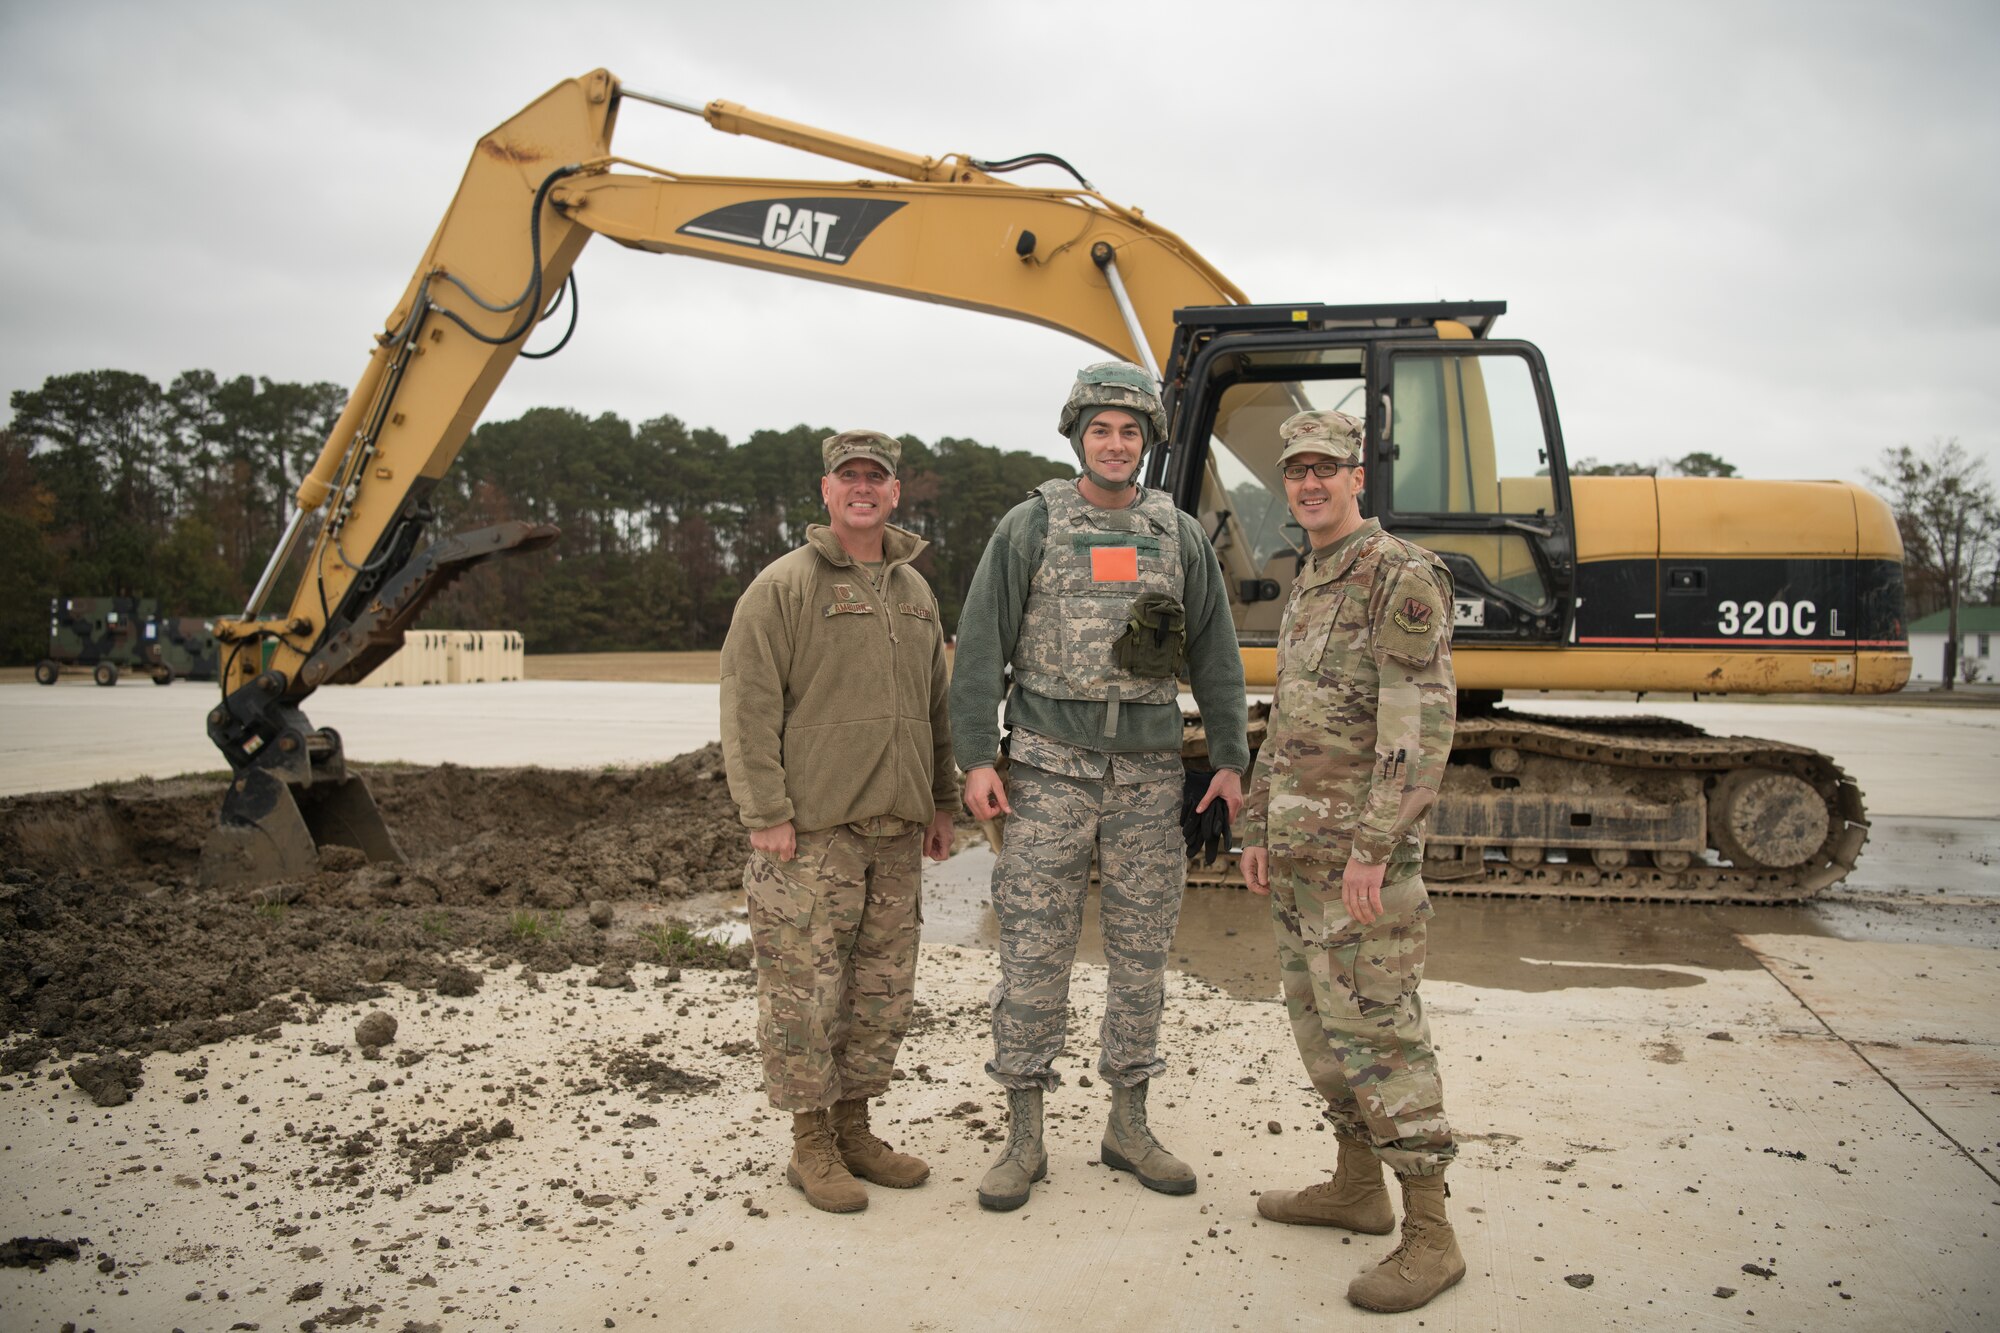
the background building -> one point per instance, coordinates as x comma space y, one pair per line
1978, 627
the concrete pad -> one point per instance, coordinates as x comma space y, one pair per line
1921, 1015
1923, 762
1607, 1132
76, 735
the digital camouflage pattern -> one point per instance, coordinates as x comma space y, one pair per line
1363, 712
884, 449
1118, 767
1039, 885
1351, 993
1118, 384
1335, 434
1095, 563
835, 932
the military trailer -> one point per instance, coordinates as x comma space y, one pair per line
107, 636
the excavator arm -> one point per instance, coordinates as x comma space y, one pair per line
537, 188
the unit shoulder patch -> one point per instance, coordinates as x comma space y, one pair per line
1415, 616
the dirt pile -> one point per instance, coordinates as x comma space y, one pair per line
108, 941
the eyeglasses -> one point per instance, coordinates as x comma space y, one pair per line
1324, 471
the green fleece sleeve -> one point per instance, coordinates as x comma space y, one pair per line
756, 655
944, 777
989, 624
1215, 666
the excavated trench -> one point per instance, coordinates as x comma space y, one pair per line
108, 941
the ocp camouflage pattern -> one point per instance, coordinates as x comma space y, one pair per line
1362, 717
1351, 994
1039, 886
835, 932
1335, 434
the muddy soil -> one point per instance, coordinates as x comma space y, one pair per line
108, 942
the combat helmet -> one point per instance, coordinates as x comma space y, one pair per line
1117, 384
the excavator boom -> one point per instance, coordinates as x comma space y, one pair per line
537, 188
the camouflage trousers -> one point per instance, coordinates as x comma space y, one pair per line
1039, 884
1351, 992
835, 931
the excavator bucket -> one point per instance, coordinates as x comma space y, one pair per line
270, 830
291, 794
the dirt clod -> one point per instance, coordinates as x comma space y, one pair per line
110, 1081
1580, 1280
457, 982
426, 1158
601, 914
653, 1078
340, 859
378, 1029
35, 1252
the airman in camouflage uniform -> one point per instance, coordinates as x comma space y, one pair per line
1359, 734
1078, 594
837, 741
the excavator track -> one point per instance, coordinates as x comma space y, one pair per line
1758, 814
1709, 819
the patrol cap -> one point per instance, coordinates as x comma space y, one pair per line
1118, 384
884, 449
1335, 434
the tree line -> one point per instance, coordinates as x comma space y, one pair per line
112, 484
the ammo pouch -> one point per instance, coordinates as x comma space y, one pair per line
1154, 643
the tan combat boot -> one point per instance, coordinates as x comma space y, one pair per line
1354, 1199
1023, 1161
816, 1167
1425, 1263
1129, 1145
867, 1156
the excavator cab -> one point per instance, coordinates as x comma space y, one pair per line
1463, 446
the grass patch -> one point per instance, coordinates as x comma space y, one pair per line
437, 925
273, 910
526, 925
678, 945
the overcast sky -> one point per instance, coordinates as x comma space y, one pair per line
1763, 230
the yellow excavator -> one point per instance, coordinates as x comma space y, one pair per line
1622, 584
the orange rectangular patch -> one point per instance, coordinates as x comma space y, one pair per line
1114, 564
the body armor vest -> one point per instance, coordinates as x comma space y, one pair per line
1095, 562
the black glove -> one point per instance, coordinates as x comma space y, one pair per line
1206, 831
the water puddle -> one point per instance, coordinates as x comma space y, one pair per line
1537, 944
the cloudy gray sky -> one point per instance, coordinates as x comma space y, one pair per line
1764, 230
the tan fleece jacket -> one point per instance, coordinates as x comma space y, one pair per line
834, 704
